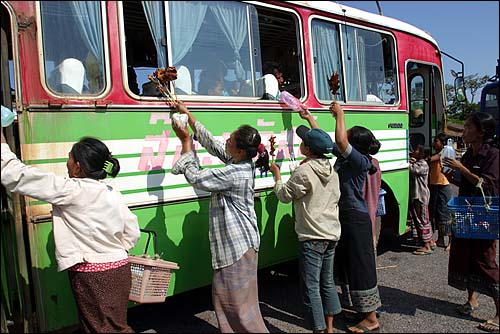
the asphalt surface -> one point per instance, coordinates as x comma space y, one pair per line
414, 292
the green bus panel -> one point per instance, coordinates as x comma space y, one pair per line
182, 227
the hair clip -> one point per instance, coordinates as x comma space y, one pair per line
108, 167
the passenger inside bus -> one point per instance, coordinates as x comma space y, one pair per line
68, 76
212, 80
149, 89
132, 80
417, 117
269, 85
183, 84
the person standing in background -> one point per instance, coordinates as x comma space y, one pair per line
473, 262
419, 197
440, 190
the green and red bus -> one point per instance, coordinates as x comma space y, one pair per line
79, 68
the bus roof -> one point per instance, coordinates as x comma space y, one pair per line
336, 8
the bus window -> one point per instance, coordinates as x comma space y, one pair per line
73, 47
145, 46
417, 99
370, 66
326, 58
279, 43
219, 51
214, 46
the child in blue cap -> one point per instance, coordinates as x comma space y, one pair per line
314, 189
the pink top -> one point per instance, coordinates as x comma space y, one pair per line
96, 267
371, 191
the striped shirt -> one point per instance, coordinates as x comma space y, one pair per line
233, 223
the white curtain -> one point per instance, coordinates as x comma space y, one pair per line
229, 16
362, 68
186, 18
326, 57
355, 67
88, 16
155, 17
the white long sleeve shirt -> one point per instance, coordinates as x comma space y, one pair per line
91, 222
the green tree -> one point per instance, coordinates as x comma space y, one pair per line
473, 83
458, 110
453, 106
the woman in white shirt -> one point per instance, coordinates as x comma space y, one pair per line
93, 229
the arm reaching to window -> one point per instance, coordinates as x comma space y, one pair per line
340, 131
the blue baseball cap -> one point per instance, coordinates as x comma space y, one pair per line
316, 139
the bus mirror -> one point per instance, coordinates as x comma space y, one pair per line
460, 88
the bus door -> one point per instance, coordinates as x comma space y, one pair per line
419, 104
16, 311
426, 104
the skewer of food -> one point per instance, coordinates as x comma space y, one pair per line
161, 79
272, 149
333, 83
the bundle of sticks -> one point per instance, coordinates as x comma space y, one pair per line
161, 78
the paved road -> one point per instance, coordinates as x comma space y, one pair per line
414, 292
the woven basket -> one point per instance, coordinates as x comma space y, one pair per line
150, 279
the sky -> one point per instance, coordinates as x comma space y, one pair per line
466, 30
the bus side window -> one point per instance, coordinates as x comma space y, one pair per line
417, 101
280, 44
369, 61
72, 40
229, 38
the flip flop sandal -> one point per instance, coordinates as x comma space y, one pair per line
363, 329
466, 309
417, 252
489, 326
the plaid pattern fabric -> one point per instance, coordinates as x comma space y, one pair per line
233, 223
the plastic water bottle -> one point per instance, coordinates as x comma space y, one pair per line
291, 101
7, 117
447, 152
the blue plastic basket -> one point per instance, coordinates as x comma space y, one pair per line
471, 219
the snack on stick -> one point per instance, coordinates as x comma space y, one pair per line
166, 75
333, 83
159, 86
272, 143
161, 77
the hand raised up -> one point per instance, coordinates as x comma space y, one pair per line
182, 133
336, 109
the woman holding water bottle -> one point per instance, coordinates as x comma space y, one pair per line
472, 265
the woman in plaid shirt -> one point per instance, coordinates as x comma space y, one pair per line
233, 232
